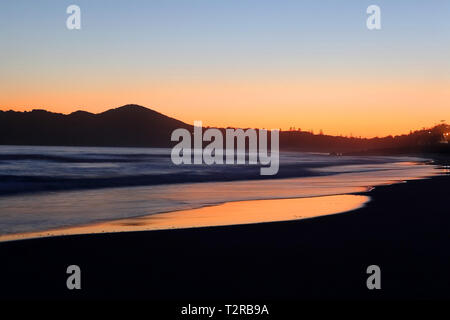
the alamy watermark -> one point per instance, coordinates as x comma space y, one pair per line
373, 21
218, 152
73, 22
374, 280
74, 280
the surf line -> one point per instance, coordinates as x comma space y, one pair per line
213, 153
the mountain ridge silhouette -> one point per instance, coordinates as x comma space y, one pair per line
127, 126
133, 125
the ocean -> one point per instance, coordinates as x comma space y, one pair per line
43, 188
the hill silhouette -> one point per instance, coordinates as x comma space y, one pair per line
127, 126
137, 126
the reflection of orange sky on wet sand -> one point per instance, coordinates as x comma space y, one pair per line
231, 213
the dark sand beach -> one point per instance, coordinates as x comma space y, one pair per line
404, 229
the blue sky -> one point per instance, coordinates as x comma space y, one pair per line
219, 34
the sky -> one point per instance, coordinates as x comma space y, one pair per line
307, 64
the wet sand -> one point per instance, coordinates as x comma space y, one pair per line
227, 214
404, 229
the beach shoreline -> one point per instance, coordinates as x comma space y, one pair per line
223, 214
403, 229
42, 213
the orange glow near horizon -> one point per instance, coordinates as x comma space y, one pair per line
349, 107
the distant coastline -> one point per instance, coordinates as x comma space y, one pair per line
137, 126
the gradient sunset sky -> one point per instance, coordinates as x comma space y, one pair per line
268, 64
